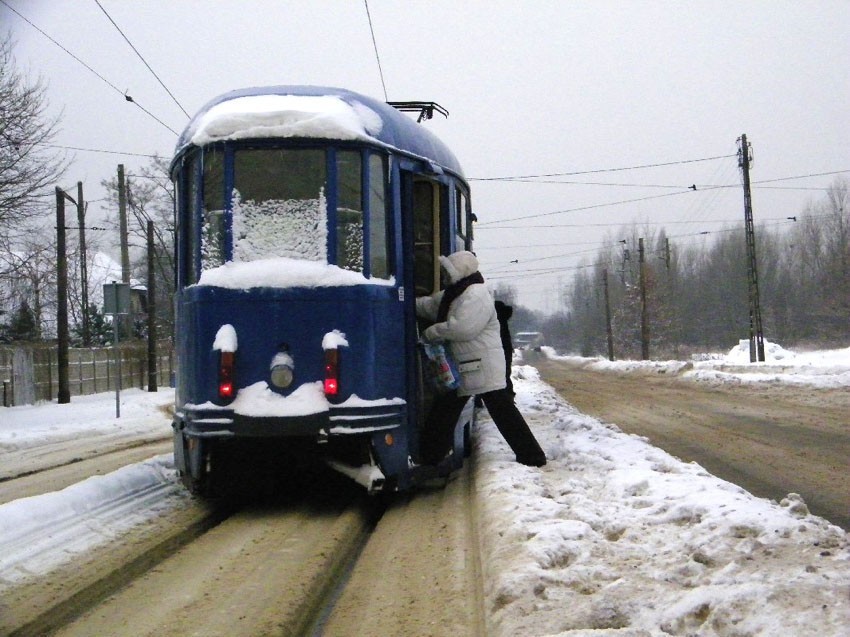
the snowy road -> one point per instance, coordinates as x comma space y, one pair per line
771, 439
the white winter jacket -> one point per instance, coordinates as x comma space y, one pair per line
471, 329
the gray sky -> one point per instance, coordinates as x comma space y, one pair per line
533, 88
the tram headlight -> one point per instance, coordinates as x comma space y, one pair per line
282, 370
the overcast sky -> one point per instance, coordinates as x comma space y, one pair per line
533, 88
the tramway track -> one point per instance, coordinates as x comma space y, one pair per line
322, 561
28, 461
63, 472
40, 605
273, 560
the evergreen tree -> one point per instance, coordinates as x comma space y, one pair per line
23, 326
100, 331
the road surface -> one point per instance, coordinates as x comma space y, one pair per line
770, 439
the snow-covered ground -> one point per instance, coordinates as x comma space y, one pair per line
612, 537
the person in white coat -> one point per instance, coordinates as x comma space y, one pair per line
464, 317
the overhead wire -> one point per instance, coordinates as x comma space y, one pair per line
500, 273
98, 150
136, 51
600, 170
127, 97
496, 224
375, 45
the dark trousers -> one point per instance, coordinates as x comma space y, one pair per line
438, 436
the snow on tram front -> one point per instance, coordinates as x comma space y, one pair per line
308, 221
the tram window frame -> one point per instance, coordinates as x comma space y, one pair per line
462, 217
213, 234
349, 211
378, 221
189, 217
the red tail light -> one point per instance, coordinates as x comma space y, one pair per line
331, 372
225, 375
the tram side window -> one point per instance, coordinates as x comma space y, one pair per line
425, 275
279, 205
349, 211
189, 217
378, 231
212, 221
460, 220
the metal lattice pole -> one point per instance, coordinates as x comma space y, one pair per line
756, 332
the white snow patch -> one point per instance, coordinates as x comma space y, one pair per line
334, 340
259, 401
284, 273
258, 116
225, 339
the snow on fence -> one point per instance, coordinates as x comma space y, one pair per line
31, 373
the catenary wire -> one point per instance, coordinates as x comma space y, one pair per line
600, 170
98, 150
135, 50
375, 45
127, 97
495, 224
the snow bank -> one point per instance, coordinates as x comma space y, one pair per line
42, 532
616, 537
826, 369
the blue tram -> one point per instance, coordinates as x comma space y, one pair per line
308, 221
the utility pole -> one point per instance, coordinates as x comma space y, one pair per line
608, 330
84, 275
62, 336
644, 318
152, 367
756, 333
122, 221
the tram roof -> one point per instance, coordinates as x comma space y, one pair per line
312, 112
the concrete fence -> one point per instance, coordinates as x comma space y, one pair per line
30, 373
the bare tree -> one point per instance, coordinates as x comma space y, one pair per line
29, 166
28, 278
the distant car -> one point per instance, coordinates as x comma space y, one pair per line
528, 340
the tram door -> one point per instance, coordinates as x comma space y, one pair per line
425, 201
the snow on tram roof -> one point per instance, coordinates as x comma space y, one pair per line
312, 112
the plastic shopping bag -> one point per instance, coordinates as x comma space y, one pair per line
440, 367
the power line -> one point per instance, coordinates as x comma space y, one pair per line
503, 274
375, 44
664, 186
487, 225
127, 97
490, 224
832, 172
98, 150
161, 83
600, 170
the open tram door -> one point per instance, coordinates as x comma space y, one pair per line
436, 220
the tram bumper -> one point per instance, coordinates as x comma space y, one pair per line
225, 423
339, 420
365, 441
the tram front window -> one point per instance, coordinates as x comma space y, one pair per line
279, 205
349, 211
